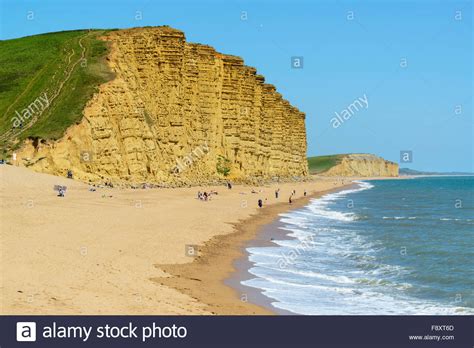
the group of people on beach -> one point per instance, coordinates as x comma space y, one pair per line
206, 196
293, 193
277, 194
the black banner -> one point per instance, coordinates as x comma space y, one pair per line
236, 331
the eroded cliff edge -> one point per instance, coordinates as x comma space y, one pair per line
363, 165
177, 113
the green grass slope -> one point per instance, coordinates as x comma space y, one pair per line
320, 164
67, 66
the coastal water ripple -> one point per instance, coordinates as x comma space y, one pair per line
384, 247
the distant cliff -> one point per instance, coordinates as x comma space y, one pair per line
362, 165
176, 113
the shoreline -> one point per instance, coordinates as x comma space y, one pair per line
222, 272
264, 238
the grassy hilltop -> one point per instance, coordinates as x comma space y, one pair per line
68, 66
320, 164
353, 164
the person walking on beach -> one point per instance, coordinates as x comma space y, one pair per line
290, 200
260, 203
304, 193
276, 193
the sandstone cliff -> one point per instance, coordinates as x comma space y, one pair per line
177, 113
365, 165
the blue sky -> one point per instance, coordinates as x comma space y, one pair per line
411, 59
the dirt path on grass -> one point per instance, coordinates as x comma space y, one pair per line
68, 71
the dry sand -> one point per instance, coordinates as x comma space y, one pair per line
106, 252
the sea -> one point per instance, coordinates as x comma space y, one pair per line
382, 247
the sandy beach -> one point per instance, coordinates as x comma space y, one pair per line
125, 251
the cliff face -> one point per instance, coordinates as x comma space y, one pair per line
177, 113
365, 165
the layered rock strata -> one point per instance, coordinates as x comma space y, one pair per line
177, 113
363, 165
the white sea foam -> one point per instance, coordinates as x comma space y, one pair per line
318, 206
336, 279
332, 215
344, 290
398, 217
260, 252
318, 299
